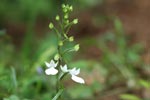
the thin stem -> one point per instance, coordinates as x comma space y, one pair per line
57, 32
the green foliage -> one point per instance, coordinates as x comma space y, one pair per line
129, 97
12, 97
21, 71
120, 55
145, 84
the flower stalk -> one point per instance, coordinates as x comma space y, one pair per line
56, 67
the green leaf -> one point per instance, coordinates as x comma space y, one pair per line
144, 83
58, 94
118, 26
12, 97
129, 97
13, 75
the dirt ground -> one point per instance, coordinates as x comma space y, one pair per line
134, 14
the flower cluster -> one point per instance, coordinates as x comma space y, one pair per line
52, 70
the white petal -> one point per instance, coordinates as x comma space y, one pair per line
77, 79
77, 71
47, 64
74, 71
51, 71
64, 68
52, 63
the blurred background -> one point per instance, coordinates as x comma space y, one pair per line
114, 54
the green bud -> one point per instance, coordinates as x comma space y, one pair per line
66, 16
75, 21
71, 38
57, 18
51, 26
66, 21
56, 57
60, 43
77, 47
63, 5
65, 10
71, 8
67, 6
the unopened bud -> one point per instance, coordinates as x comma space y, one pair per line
51, 26
66, 16
65, 10
57, 18
71, 8
77, 47
75, 21
60, 43
56, 57
71, 38
63, 6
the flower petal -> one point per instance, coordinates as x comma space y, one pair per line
47, 64
51, 71
52, 63
77, 79
64, 68
74, 71
77, 71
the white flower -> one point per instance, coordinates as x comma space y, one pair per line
73, 72
64, 68
51, 70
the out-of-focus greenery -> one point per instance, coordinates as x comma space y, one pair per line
117, 65
22, 70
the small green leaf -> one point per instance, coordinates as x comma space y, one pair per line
13, 75
118, 26
129, 97
144, 83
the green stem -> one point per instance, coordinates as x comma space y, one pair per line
58, 94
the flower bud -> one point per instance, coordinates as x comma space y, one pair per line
77, 47
67, 6
60, 43
65, 10
56, 57
63, 5
71, 8
51, 26
71, 38
57, 18
75, 21
66, 16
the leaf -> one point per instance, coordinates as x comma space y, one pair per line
144, 83
58, 94
12, 97
118, 26
129, 97
13, 75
